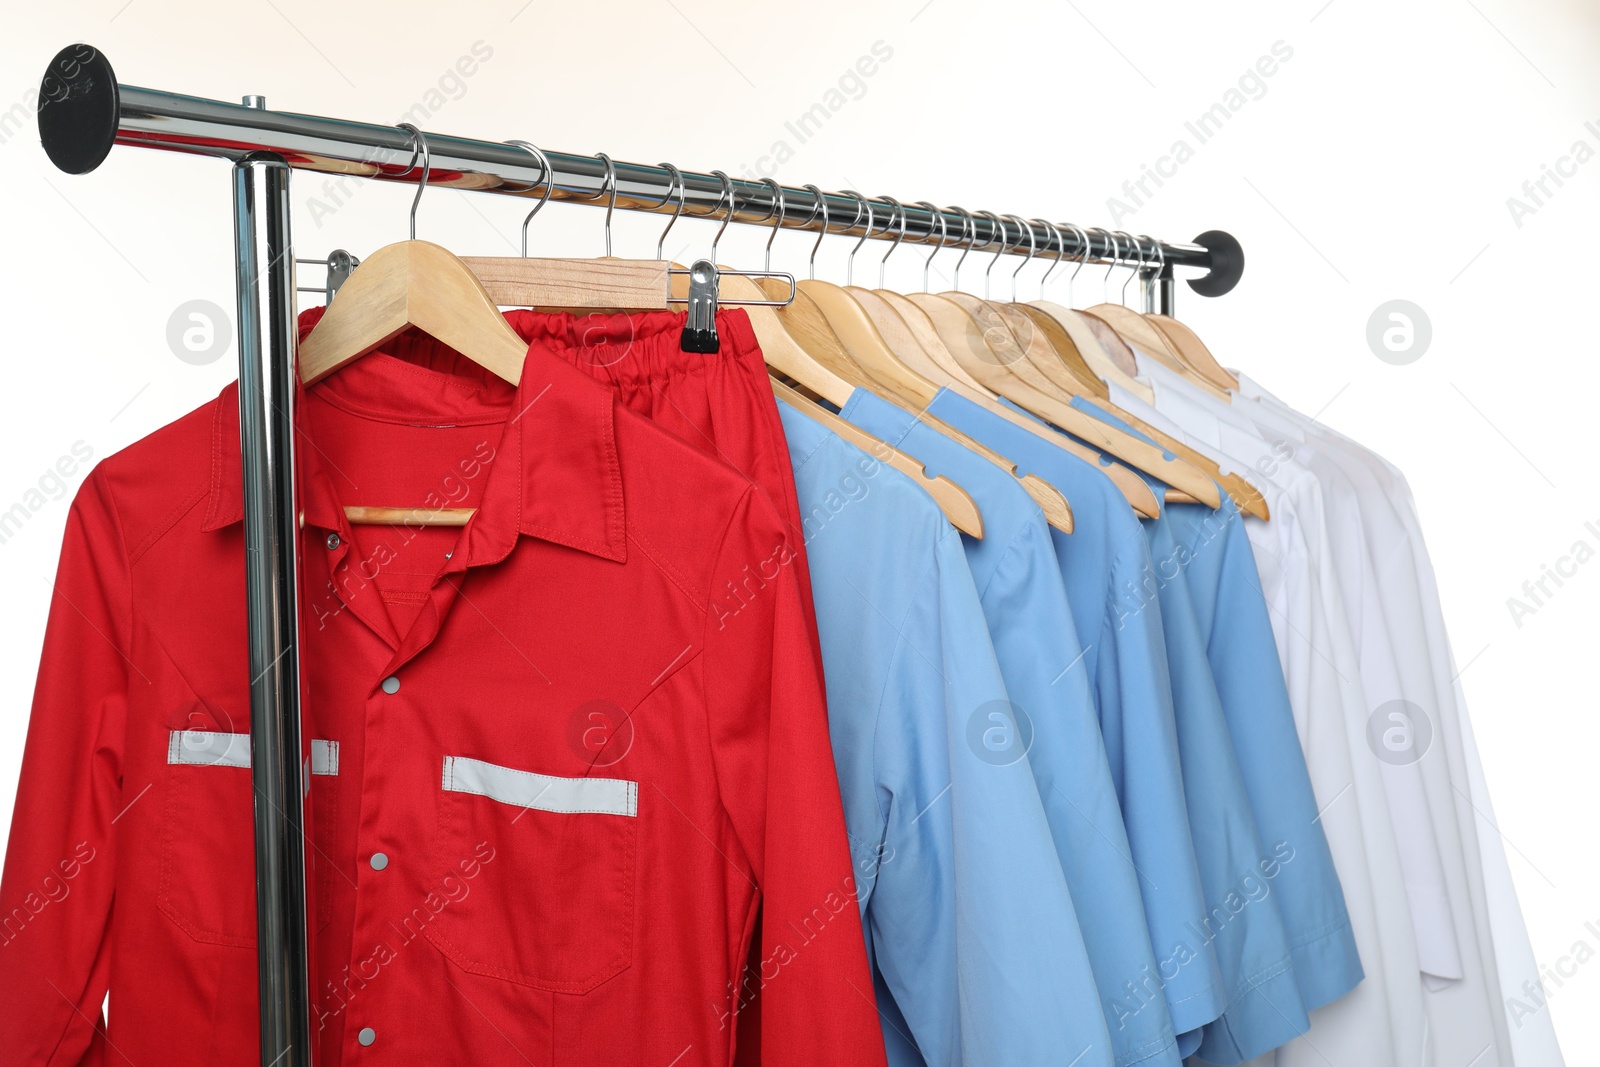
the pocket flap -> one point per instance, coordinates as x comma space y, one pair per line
543, 792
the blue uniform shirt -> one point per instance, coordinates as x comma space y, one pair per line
1262, 1005
1225, 588
1239, 867
975, 948
1035, 639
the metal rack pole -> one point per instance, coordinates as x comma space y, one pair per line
264, 264
125, 114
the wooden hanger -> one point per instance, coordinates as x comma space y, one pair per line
400, 286
956, 503
1052, 349
1112, 363
1195, 353
1006, 372
812, 328
1036, 343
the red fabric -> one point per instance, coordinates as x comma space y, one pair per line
721, 402
621, 606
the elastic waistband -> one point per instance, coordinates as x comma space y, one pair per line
638, 348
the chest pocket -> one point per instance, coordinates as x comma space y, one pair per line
208, 837
551, 904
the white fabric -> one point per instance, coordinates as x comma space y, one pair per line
1433, 819
1382, 1021
1532, 1037
213, 748
541, 792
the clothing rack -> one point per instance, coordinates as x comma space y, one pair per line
84, 112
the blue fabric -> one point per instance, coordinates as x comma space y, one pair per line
976, 951
1041, 661
1126, 667
1239, 924
1239, 868
1220, 570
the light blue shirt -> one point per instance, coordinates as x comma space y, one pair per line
1225, 588
1041, 661
976, 951
1238, 925
1238, 867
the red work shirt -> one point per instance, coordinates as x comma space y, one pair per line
560, 758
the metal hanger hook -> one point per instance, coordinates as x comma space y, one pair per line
1083, 258
727, 196
546, 178
944, 238
1116, 254
1000, 228
1138, 250
969, 233
419, 142
608, 184
897, 209
1033, 247
861, 205
1161, 263
820, 200
780, 209
1061, 251
674, 181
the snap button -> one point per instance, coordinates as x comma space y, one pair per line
333, 541
391, 685
379, 861
367, 1035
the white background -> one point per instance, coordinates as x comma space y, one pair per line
1376, 165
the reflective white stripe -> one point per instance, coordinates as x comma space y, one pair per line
212, 748
324, 757
526, 789
207, 748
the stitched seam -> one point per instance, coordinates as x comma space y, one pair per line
165, 525
673, 574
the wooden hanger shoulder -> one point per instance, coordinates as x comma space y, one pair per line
927, 335
956, 503
866, 345
1133, 328
1019, 382
1058, 356
1194, 351
412, 283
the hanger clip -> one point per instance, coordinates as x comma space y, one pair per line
341, 265
700, 328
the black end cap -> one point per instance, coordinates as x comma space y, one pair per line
79, 108
1227, 263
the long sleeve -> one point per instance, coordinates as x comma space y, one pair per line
56, 897
769, 734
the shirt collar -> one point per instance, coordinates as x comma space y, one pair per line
556, 477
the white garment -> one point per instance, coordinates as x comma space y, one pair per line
1380, 1023
1532, 1038
1433, 818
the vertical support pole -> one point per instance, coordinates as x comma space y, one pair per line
264, 261
1159, 289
